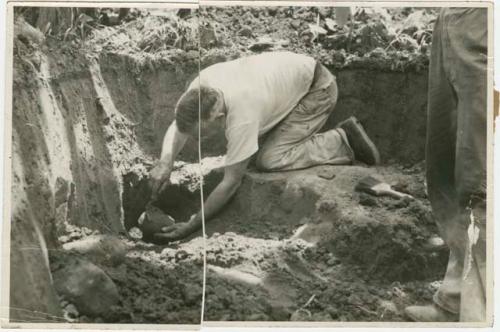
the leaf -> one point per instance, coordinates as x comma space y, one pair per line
317, 30
330, 24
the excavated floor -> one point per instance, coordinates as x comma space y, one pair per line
301, 245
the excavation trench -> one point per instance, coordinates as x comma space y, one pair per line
289, 246
304, 245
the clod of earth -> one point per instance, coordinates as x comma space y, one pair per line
152, 221
86, 286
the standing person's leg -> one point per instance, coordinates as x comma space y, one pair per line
294, 144
468, 44
440, 169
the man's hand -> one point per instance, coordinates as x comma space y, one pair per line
159, 178
178, 231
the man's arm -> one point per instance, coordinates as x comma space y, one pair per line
233, 176
173, 142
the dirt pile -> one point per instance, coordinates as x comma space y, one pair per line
379, 38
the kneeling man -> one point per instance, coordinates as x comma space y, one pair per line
285, 96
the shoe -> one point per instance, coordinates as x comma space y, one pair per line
363, 147
429, 313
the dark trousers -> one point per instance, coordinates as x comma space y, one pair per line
456, 155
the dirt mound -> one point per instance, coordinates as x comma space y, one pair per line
379, 38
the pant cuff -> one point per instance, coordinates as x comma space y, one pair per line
451, 306
343, 135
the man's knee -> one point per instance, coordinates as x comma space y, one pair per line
266, 161
262, 163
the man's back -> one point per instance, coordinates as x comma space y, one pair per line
261, 88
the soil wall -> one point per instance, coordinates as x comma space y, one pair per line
81, 124
390, 105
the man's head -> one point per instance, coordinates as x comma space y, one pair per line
207, 101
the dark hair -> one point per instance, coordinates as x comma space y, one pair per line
186, 114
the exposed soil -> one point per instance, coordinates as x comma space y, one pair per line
290, 237
88, 121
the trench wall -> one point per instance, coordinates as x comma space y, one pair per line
81, 124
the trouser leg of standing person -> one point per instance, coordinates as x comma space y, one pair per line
456, 157
468, 48
294, 143
440, 169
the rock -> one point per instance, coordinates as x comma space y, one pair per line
101, 249
245, 31
86, 286
327, 173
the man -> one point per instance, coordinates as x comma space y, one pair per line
456, 162
285, 96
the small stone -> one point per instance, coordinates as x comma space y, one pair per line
135, 233
327, 173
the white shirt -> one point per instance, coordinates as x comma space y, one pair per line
259, 91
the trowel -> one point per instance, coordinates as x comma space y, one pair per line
374, 186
